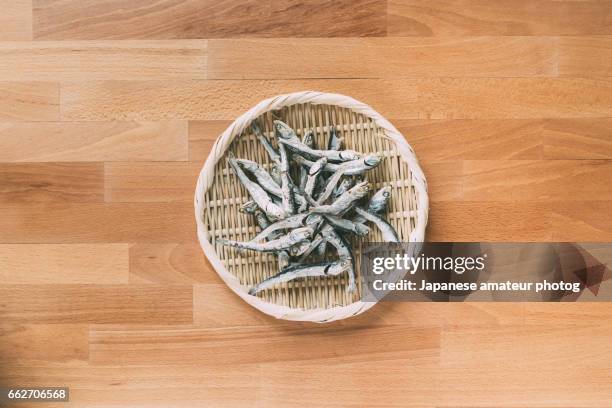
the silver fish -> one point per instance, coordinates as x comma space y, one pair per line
287, 136
313, 173
344, 253
261, 175
308, 138
258, 194
332, 155
284, 242
377, 204
286, 189
350, 168
299, 248
344, 202
347, 225
318, 240
342, 188
250, 207
275, 174
274, 156
302, 271
293, 221
334, 142
387, 231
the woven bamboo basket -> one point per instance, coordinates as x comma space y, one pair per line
219, 195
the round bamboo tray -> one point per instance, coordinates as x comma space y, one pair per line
219, 194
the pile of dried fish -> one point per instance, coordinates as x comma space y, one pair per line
298, 220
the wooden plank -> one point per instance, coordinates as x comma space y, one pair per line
202, 137
137, 345
172, 19
96, 304
535, 346
170, 264
489, 221
473, 139
44, 344
586, 221
531, 180
92, 141
382, 57
72, 182
435, 98
90, 60
15, 20
150, 181
97, 223
567, 314
159, 386
33, 101
64, 264
498, 17
577, 139
585, 56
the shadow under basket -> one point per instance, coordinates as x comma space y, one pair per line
219, 195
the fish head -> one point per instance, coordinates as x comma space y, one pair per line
361, 229
372, 160
347, 155
308, 138
299, 248
250, 207
283, 130
248, 165
360, 189
301, 234
313, 219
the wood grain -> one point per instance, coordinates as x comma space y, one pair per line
248, 345
498, 17
44, 344
96, 304
71, 182
92, 141
34, 101
577, 139
585, 56
16, 20
496, 221
202, 137
446, 98
172, 19
170, 264
97, 223
137, 60
151, 182
64, 264
383, 57
536, 180
587, 221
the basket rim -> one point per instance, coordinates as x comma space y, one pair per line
221, 145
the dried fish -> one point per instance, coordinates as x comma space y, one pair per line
377, 204
302, 271
286, 190
344, 253
258, 194
313, 173
261, 175
344, 202
387, 231
350, 168
334, 142
347, 225
287, 136
284, 242
294, 221
342, 188
274, 156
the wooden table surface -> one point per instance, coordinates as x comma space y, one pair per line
108, 109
